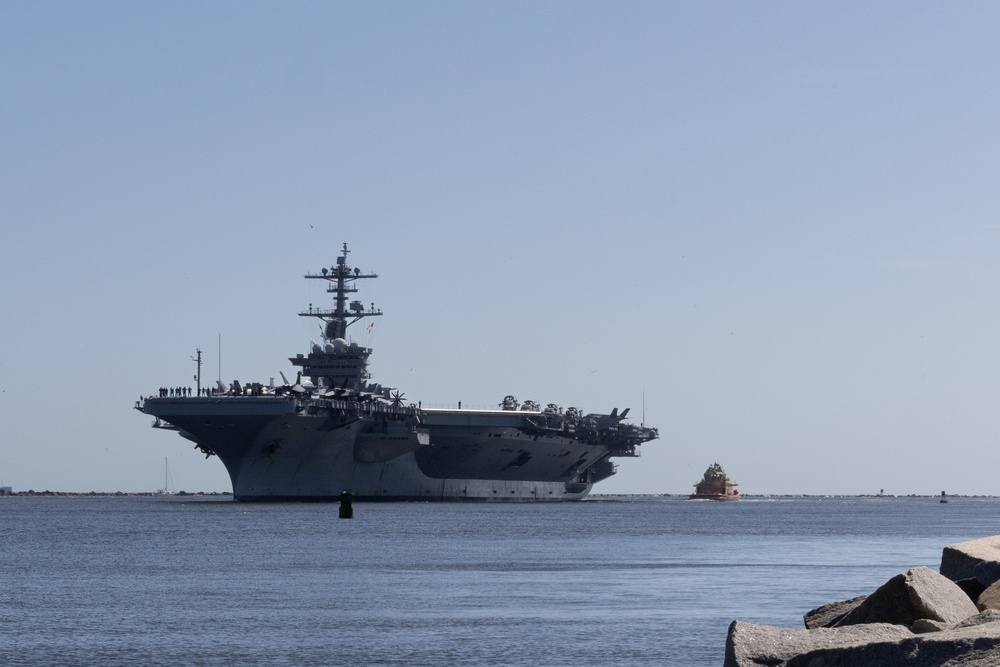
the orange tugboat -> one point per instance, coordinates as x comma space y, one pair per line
715, 486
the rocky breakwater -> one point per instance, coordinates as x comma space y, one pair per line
916, 619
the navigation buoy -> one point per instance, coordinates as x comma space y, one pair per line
346, 511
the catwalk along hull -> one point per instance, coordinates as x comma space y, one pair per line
334, 430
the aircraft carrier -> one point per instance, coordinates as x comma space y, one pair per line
334, 429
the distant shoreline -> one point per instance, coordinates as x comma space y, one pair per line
591, 497
104, 494
766, 496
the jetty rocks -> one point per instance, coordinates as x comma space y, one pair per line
920, 618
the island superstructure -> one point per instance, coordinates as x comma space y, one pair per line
334, 429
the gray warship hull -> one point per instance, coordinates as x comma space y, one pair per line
274, 450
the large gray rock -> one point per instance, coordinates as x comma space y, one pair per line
924, 625
874, 645
959, 561
890, 603
987, 616
920, 593
749, 645
938, 598
828, 615
990, 598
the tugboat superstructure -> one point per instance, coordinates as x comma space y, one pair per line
334, 430
715, 485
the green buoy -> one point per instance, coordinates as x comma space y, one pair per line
346, 511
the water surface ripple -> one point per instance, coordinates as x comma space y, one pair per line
638, 581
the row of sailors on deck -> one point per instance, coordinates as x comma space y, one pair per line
171, 392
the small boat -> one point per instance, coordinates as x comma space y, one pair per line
715, 485
165, 491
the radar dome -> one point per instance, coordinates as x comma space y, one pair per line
339, 344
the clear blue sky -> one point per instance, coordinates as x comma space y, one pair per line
778, 221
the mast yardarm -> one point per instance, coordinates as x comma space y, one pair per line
341, 278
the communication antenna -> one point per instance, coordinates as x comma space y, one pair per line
197, 377
220, 357
643, 424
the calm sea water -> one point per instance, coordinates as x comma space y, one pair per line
637, 581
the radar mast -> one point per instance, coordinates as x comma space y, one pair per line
341, 279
